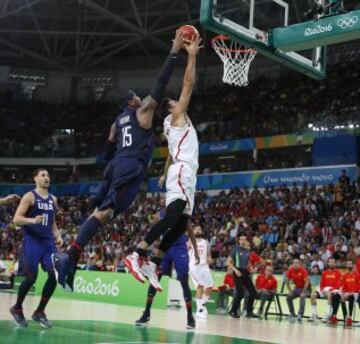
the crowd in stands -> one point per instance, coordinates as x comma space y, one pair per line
265, 107
281, 224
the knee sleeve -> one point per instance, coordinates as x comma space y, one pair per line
172, 216
174, 233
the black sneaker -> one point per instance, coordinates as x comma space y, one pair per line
251, 315
61, 264
190, 323
18, 317
145, 318
70, 277
234, 315
41, 318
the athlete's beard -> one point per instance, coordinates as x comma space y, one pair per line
198, 235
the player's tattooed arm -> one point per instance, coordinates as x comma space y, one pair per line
26, 203
191, 234
55, 230
146, 112
9, 199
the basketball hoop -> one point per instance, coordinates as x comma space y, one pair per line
236, 58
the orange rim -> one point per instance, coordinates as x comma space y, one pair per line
227, 38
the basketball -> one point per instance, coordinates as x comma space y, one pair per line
190, 32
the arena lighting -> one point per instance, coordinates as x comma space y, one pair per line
310, 125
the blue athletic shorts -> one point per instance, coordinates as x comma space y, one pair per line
180, 258
37, 251
119, 185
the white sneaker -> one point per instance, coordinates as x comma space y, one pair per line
326, 318
313, 318
201, 314
148, 269
131, 261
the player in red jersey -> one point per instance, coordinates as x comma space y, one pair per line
349, 292
330, 285
227, 288
299, 276
266, 286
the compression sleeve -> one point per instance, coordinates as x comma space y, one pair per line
163, 77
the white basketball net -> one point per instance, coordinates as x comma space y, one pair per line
236, 58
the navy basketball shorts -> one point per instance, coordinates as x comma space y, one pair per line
119, 185
37, 251
180, 258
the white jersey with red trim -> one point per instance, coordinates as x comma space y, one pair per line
182, 142
202, 246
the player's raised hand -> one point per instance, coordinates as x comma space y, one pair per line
37, 219
178, 42
193, 47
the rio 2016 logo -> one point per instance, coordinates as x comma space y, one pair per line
318, 30
96, 287
347, 22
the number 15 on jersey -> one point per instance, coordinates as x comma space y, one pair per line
126, 136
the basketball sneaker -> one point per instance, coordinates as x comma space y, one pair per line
133, 263
190, 322
349, 321
148, 270
145, 318
201, 313
41, 318
18, 316
61, 267
333, 320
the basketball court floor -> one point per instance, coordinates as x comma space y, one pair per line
98, 323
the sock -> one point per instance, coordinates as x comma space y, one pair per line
198, 304
314, 311
205, 299
156, 260
188, 305
87, 231
23, 290
47, 292
149, 302
141, 252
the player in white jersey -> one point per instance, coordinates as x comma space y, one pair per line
180, 172
200, 273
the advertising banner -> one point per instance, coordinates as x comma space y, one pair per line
109, 287
311, 175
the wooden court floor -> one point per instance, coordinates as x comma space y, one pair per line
97, 323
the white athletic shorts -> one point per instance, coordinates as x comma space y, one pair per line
180, 184
201, 276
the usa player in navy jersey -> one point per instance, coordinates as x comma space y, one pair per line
177, 256
129, 147
36, 216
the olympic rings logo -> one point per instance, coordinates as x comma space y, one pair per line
347, 22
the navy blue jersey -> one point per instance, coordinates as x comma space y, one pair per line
132, 140
42, 206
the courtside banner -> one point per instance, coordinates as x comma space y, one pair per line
109, 287
311, 175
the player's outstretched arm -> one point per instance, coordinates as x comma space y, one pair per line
162, 179
9, 199
146, 111
20, 218
189, 79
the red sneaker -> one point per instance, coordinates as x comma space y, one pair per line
349, 321
333, 320
133, 263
